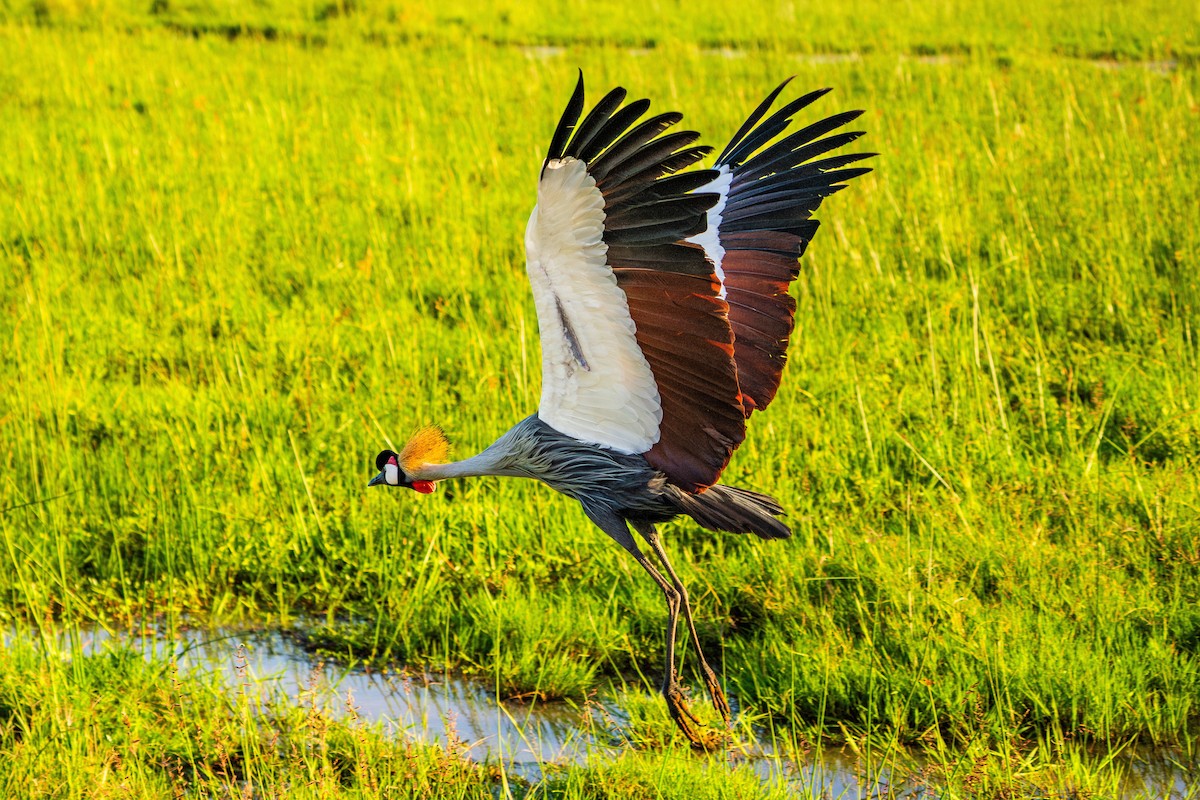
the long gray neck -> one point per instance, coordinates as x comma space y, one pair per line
495, 460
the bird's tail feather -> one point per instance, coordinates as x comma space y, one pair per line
725, 508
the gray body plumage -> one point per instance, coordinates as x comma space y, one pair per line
608, 483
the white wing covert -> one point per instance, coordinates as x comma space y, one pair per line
596, 384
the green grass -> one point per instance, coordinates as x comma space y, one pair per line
242, 248
122, 727
1145, 29
125, 727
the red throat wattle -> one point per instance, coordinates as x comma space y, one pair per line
424, 487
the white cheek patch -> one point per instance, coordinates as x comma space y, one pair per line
391, 473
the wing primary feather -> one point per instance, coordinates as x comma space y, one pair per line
829, 178
788, 205
794, 153
628, 144
648, 156
800, 138
784, 223
635, 194
788, 179
594, 121
753, 119
656, 234
612, 129
807, 201
675, 209
671, 164
772, 127
566, 124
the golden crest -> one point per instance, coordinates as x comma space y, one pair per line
427, 446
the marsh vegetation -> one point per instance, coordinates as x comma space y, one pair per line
243, 248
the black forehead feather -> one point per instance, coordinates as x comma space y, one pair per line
382, 459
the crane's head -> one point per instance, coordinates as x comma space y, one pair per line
427, 446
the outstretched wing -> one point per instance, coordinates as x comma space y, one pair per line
762, 223
637, 349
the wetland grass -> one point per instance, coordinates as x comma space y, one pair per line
235, 263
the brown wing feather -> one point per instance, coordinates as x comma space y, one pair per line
683, 331
761, 313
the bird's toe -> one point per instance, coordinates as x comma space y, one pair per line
684, 719
718, 698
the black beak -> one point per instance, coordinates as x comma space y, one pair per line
378, 479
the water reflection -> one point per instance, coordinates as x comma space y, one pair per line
463, 716
431, 708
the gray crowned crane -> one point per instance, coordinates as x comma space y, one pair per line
663, 306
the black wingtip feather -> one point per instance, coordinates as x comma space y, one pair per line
647, 207
647, 157
608, 133
794, 153
566, 124
747, 141
594, 122
790, 143
631, 142
754, 117
637, 194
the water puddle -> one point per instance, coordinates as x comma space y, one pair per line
429, 708
526, 738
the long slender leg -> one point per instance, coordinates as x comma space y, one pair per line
650, 534
617, 528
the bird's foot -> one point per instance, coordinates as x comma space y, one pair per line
717, 694
685, 720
